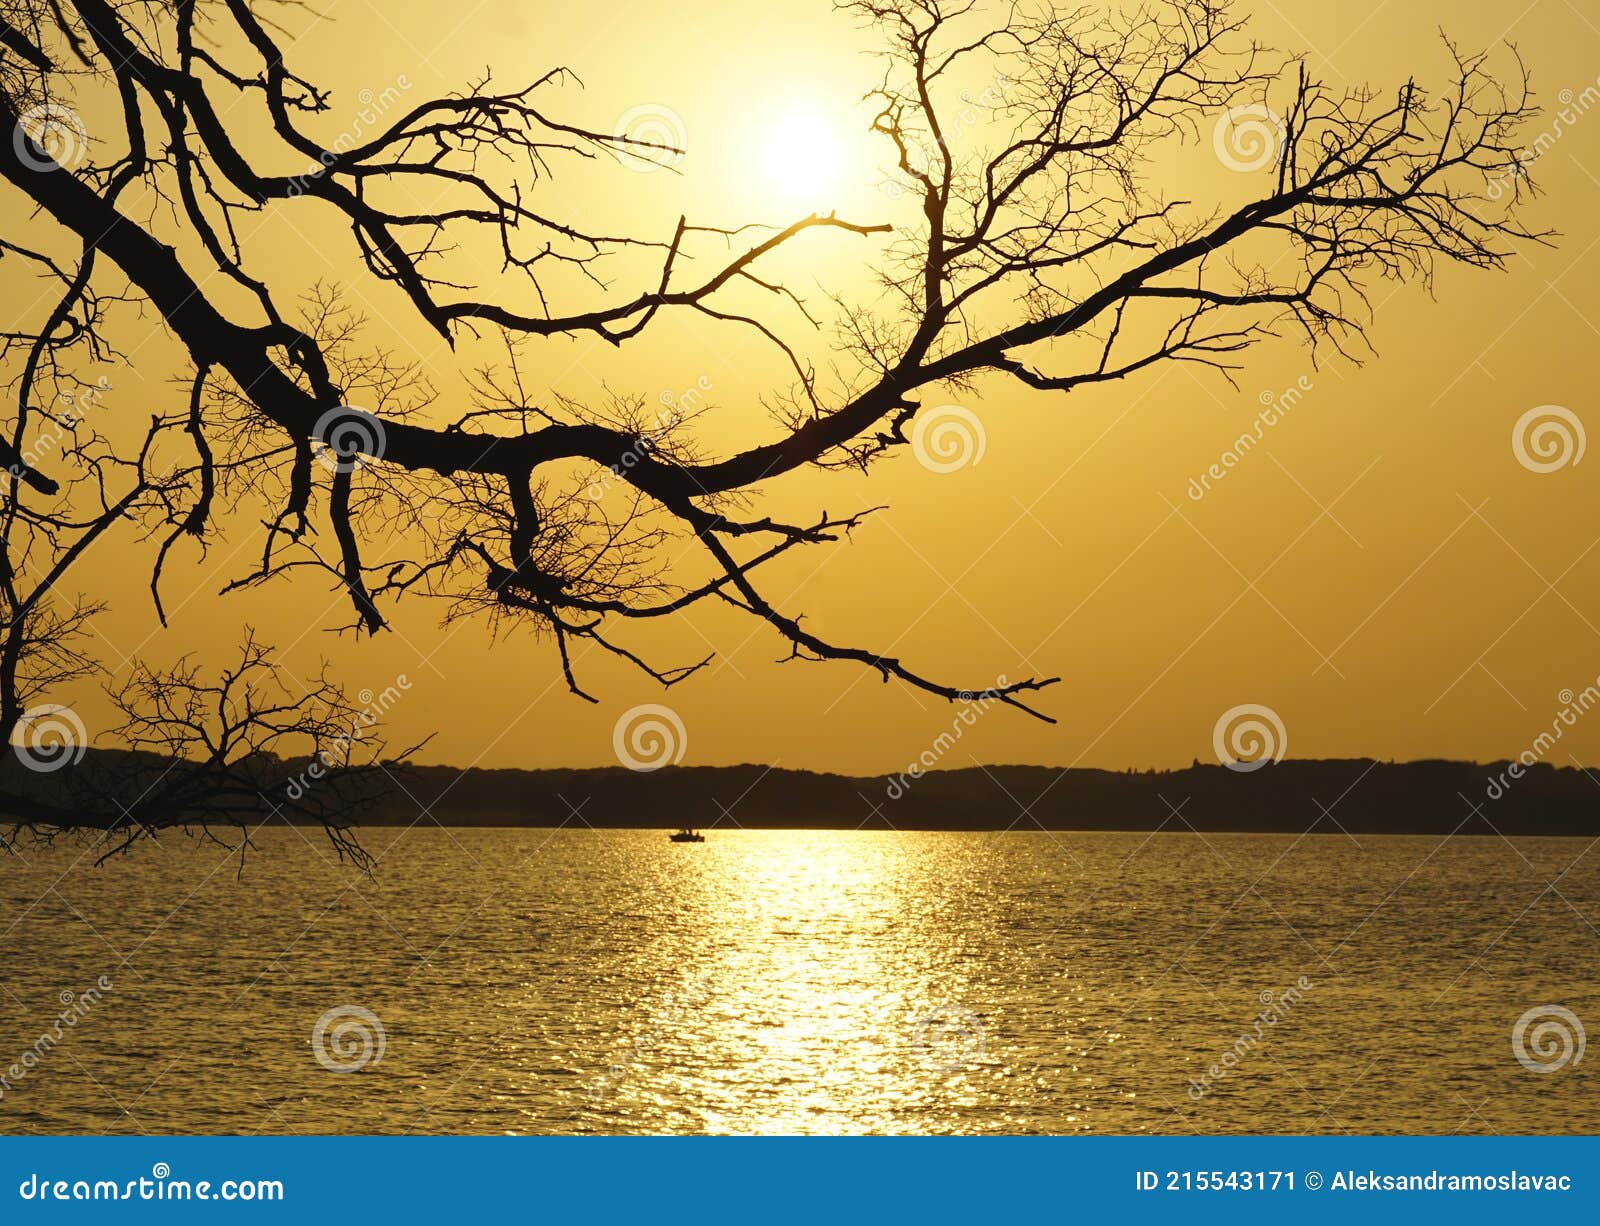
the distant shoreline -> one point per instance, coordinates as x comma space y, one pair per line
1180, 832
1355, 796
1334, 796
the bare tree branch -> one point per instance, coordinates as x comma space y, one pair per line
1043, 253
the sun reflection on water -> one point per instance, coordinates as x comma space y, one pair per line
823, 993
775, 982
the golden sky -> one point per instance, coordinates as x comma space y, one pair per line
1382, 571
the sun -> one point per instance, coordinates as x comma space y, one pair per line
803, 157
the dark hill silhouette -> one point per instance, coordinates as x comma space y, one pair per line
1363, 796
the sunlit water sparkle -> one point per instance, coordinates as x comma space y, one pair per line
609, 981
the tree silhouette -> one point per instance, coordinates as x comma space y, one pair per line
1045, 252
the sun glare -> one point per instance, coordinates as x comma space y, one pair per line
803, 158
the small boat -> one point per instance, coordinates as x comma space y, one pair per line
686, 835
